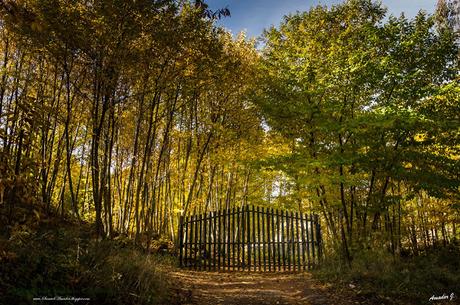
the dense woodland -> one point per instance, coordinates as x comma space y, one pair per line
127, 114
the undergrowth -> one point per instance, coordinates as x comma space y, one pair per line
63, 260
379, 277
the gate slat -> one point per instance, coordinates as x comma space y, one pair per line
243, 237
254, 252
190, 240
219, 233
308, 241
282, 240
200, 236
233, 238
299, 266
302, 226
269, 241
263, 237
248, 229
214, 244
278, 238
273, 238
312, 239
191, 243
208, 251
205, 241
224, 241
238, 227
288, 238
258, 238
195, 241
229, 235
293, 242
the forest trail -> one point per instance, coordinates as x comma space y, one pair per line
225, 288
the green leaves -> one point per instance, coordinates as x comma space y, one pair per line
369, 104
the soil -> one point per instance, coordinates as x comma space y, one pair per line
214, 288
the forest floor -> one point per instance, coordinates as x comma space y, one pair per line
213, 288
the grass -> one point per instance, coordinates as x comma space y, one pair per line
62, 259
378, 277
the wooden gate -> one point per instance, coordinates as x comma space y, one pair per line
250, 238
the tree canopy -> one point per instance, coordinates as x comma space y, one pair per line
128, 114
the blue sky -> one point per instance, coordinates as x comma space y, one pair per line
255, 15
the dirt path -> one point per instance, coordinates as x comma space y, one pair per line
206, 288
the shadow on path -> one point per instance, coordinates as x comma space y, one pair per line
237, 288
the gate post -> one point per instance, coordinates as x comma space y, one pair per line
318, 237
181, 239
